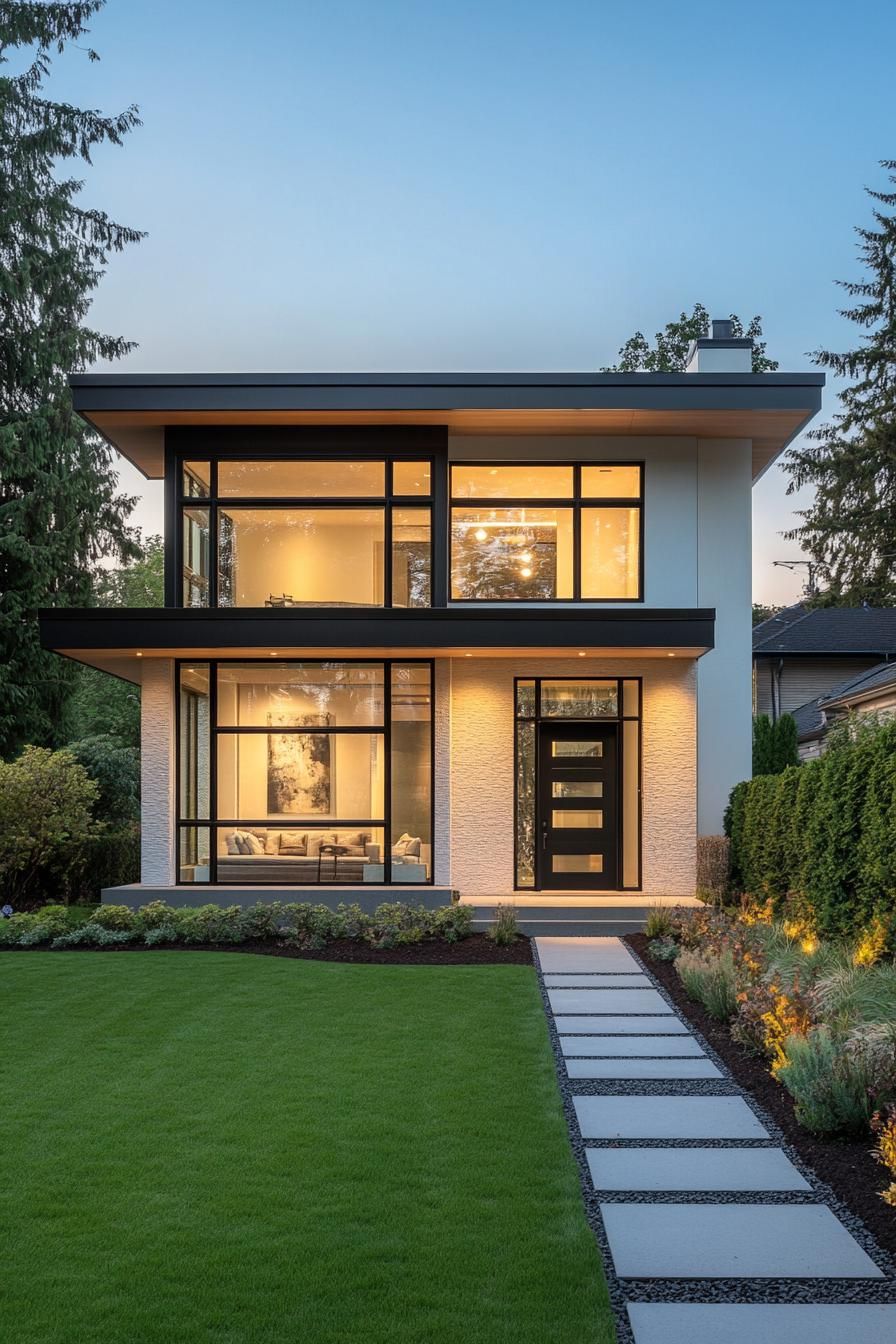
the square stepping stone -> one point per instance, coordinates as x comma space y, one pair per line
601, 981
667, 1118
721, 1241
631, 1047
642, 1068
693, 1169
584, 954
607, 1001
668, 1025
749, 1323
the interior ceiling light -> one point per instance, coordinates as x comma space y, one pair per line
526, 572
480, 534
526, 557
582, 653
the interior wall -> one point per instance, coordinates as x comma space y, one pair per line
332, 562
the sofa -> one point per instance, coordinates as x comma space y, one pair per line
292, 857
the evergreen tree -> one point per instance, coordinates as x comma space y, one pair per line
670, 354
763, 745
100, 704
850, 528
59, 511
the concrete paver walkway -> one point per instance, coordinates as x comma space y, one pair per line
711, 1231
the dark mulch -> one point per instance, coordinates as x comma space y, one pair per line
845, 1164
475, 950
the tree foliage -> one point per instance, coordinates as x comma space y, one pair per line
774, 744
670, 351
59, 510
115, 769
46, 819
849, 530
102, 705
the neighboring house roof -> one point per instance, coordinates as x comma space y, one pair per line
822, 631
811, 718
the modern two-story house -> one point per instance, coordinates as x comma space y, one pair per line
456, 632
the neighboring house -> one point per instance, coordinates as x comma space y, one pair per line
802, 653
472, 632
871, 692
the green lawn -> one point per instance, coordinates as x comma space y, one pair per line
249, 1150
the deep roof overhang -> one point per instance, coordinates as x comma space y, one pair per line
116, 639
132, 410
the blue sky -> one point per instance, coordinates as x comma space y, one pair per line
354, 184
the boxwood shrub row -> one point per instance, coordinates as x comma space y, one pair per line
304, 925
821, 837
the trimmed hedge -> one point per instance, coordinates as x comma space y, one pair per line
821, 837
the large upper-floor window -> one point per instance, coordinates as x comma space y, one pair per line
538, 532
306, 532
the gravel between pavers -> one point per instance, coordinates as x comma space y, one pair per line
701, 1290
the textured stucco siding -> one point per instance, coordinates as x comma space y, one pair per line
157, 713
481, 793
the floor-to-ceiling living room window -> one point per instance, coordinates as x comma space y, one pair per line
305, 772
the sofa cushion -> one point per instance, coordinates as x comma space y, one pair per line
407, 846
353, 839
252, 843
272, 842
316, 839
232, 845
293, 842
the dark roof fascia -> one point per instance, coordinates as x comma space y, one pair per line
775, 654
97, 392
110, 628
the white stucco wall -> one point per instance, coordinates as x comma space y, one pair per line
724, 676
157, 714
481, 783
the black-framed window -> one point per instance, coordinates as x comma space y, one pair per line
568, 699
542, 532
305, 772
351, 526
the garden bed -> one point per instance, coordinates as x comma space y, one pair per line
474, 950
846, 1165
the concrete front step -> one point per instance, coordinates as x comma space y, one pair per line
599, 916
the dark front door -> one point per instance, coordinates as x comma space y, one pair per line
577, 799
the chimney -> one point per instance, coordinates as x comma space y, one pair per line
721, 352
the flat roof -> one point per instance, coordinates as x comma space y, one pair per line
131, 410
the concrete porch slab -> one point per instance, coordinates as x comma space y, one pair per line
686, 1169
665, 1117
749, 1323
720, 1241
642, 1068
367, 895
630, 1047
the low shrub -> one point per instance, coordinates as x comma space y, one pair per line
710, 979
504, 930
829, 1085
663, 949
453, 922
305, 925
660, 921
114, 917
853, 994
883, 1125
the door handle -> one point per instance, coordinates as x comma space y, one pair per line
544, 835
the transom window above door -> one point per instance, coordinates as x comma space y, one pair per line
542, 532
